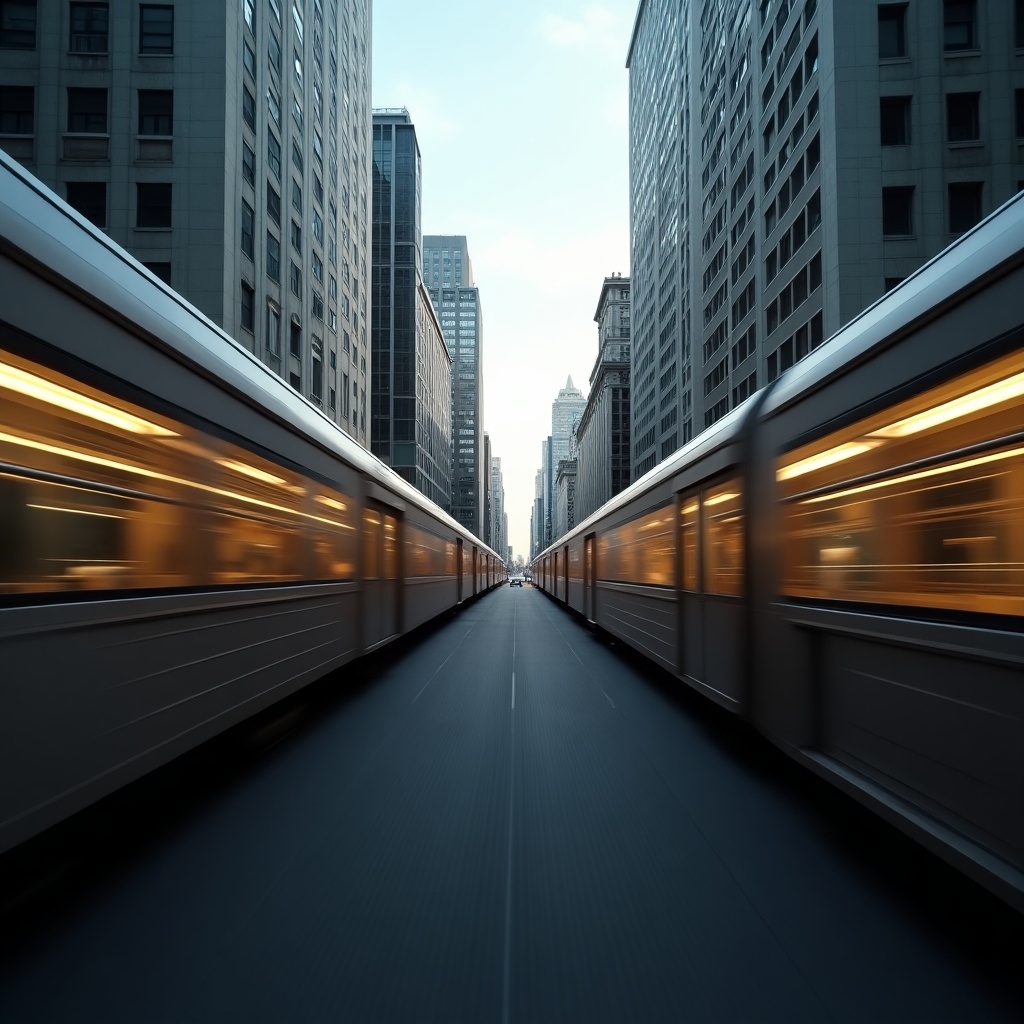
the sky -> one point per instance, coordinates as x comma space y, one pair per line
521, 114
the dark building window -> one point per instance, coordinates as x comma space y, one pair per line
156, 28
247, 318
273, 204
274, 154
89, 198
897, 210
273, 329
1018, 24
87, 110
295, 380
892, 30
248, 108
273, 258
156, 111
17, 104
962, 123
161, 270
153, 208
248, 164
295, 339
296, 236
297, 195
958, 31
1018, 102
88, 28
274, 52
249, 59
895, 120
17, 24
296, 280
893, 282
297, 155
248, 228
964, 206
317, 388
250, 14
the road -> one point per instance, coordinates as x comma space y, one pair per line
507, 819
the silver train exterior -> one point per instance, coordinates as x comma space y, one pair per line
183, 539
840, 560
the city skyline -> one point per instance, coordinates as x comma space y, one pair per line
524, 143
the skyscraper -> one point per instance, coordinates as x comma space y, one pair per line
226, 146
566, 410
448, 273
790, 161
411, 376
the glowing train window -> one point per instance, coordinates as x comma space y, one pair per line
100, 494
640, 551
920, 505
689, 520
722, 522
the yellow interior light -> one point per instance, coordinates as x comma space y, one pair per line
77, 511
719, 498
251, 471
823, 459
993, 394
25, 383
331, 503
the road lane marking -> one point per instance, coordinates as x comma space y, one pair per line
442, 665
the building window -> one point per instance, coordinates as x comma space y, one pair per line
249, 59
156, 28
273, 329
161, 270
156, 111
274, 105
88, 28
962, 123
248, 108
248, 164
17, 24
296, 195
89, 198
958, 25
296, 236
318, 305
895, 120
1018, 24
295, 339
87, 111
273, 204
248, 228
247, 318
273, 258
897, 210
1018, 102
274, 154
295, 279
317, 388
297, 155
295, 380
153, 208
892, 31
274, 52
17, 105
964, 206
250, 14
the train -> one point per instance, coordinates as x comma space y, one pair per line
184, 539
840, 559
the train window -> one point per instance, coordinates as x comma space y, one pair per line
426, 554
688, 523
723, 539
640, 551
576, 562
98, 494
920, 505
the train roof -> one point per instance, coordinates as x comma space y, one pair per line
989, 247
72, 251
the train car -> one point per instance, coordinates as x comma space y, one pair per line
185, 540
841, 559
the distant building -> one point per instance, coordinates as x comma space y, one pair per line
603, 435
566, 410
225, 146
499, 518
790, 163
565, 498
411, 376
448, 273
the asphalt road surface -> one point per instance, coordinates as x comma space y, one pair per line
507, 819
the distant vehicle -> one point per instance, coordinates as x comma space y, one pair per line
516, 581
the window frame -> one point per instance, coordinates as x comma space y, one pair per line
85, 125
157, 117
149, 202
88, 31
153, 48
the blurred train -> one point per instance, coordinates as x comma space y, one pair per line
840, 560
183, 539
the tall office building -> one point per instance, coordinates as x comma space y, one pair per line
448, 274
559, 446
226, 146
499, 518
411, 377
603, 433
789, 163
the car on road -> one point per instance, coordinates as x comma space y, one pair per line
516, 581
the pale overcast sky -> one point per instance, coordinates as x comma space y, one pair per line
520, 110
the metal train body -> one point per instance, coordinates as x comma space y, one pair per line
183, 539
841, 559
